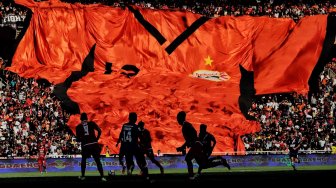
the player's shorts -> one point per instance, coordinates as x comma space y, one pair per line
196, 151
91, 150
149, 152
123, 150
41, 160
140, 158
207, 151
293, 154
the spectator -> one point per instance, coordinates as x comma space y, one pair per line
280, 114
30, 115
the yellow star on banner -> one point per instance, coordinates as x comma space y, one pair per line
208, 61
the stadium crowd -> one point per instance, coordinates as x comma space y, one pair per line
30, 115
313, 118
211, 8
214, 8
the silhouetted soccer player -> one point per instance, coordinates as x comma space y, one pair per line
196, 148
146, 145
41, 160
129, 136
207, 139
294, 144
209, 142
191, 141
85, 133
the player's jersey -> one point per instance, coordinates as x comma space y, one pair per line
42, 152
206, 141
129, 135
85, 133
189, 133
145, 139
293, 143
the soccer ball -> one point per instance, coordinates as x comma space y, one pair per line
111, 173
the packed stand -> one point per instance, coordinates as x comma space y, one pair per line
29, 116
313, 118
272, 8
212, 8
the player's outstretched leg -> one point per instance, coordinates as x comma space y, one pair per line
190, 167
293, 163
121, 162
44, 166
83, 167
215, 161
226, 164
157, 163
130, 170
100, 167
40, 168
45, 169
129, 163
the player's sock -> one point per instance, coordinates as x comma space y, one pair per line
123, 169
132, 168
200, 170
162, 170
190, 169
293, 165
